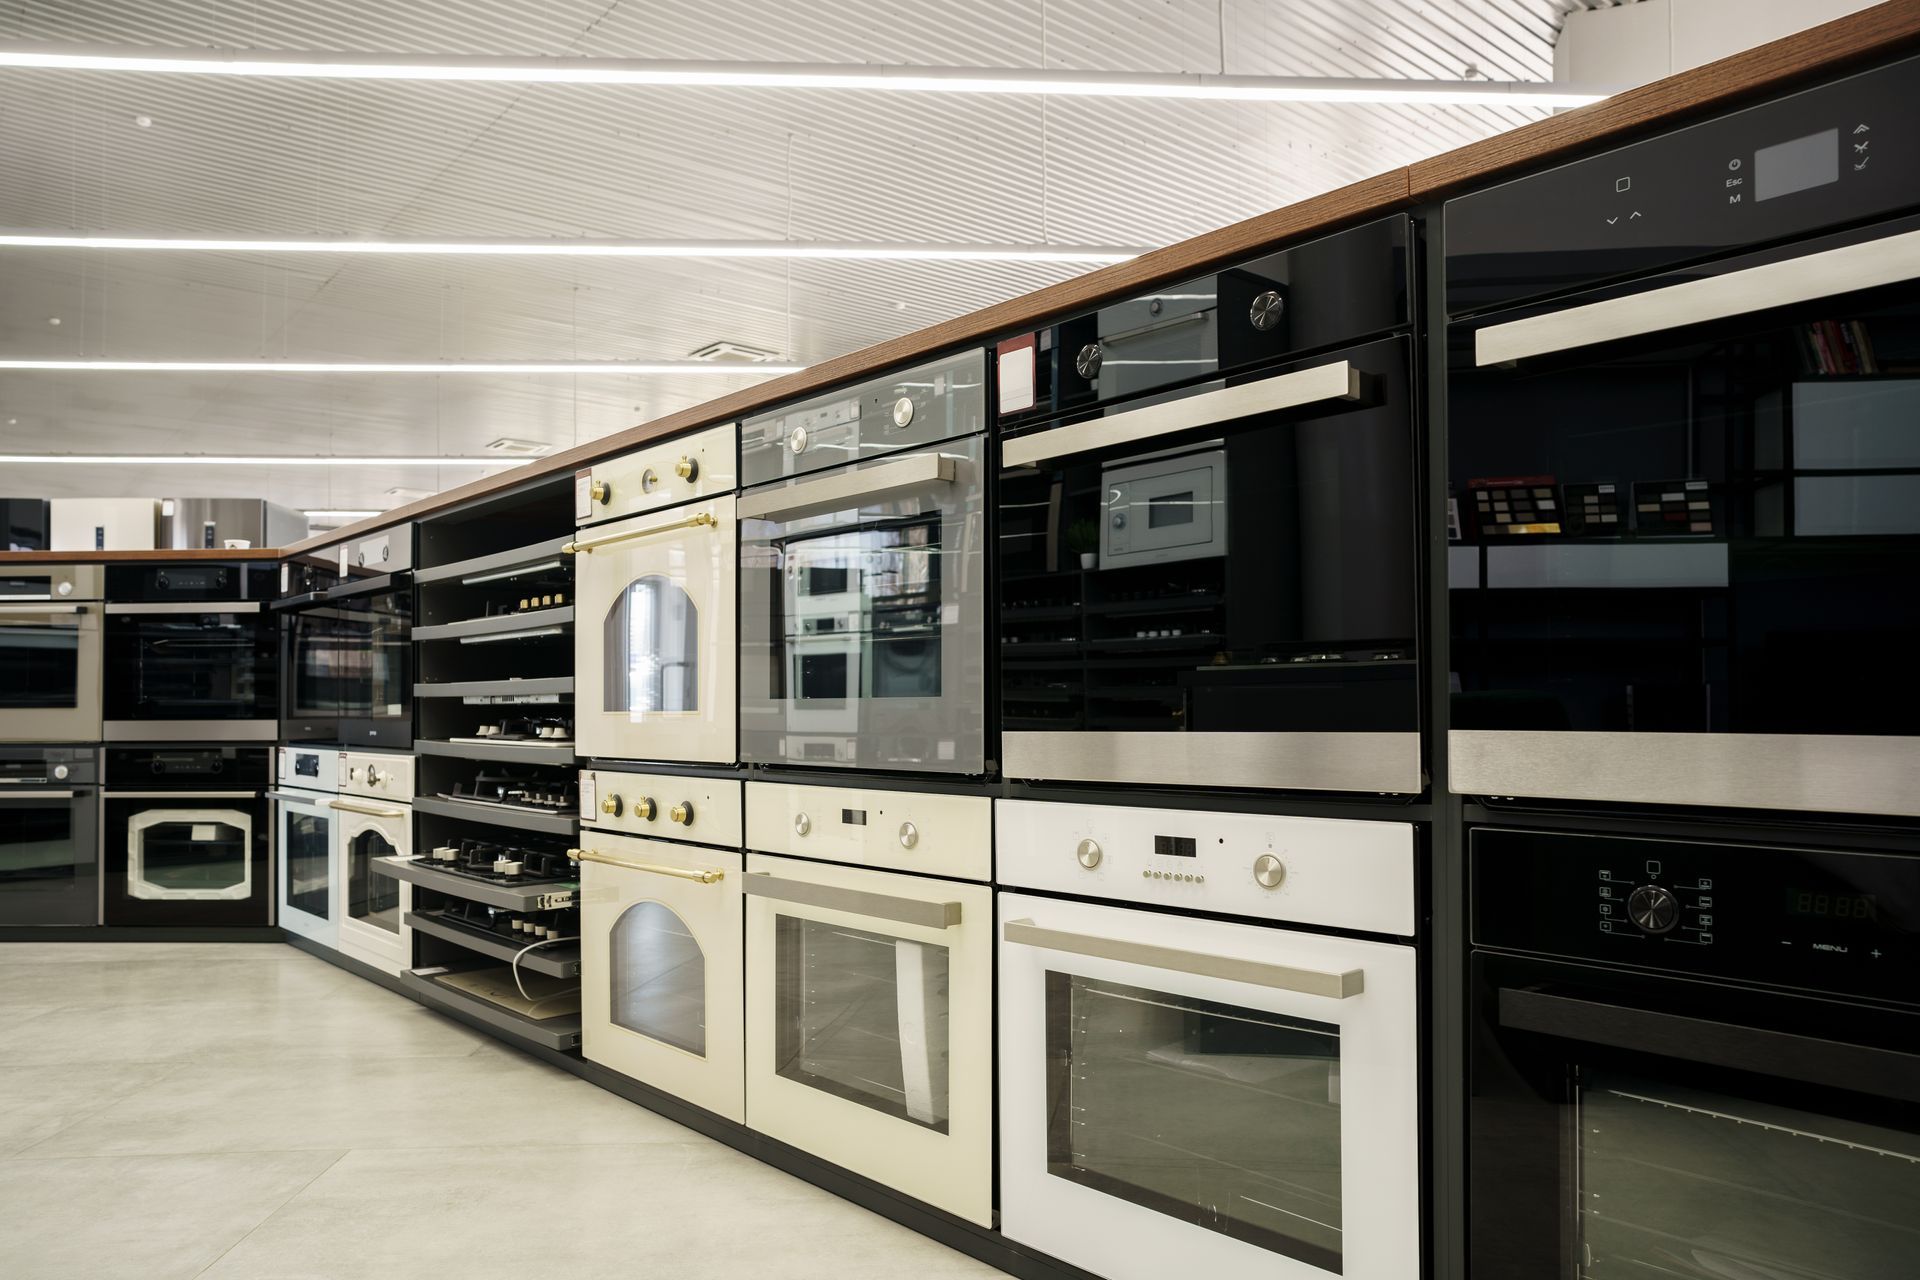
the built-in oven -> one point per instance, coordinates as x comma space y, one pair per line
1687, 484
654, 579
1209, 568
374, 811
49, 836
869, 954
1692, 1058
863, 575
375, 617
1190, 1095
185, 836
316, 652
661, 948
50, 653
308, 780
189, 653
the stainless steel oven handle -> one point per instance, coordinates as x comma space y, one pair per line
709, 876
35, 795
1884, 1073
1889, 260
184, 795
348, 806
587, 546
188, 606
857, 902
39, 610
1338, 380
849, 488
1281, 977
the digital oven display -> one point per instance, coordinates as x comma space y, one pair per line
1824, 904
1175, 847
1799, 165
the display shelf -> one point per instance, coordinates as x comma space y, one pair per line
506, 626
561, 960
501, 566
498, 815
510, 687
562, 1032
534, 752
532, 897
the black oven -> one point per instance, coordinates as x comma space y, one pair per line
49, 836
189, 654
313, 648
1693, 1060
1686, 484
373, 648
1209, 530
185, 836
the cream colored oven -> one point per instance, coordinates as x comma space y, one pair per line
655, 634
660, 940
375, 813
870, 985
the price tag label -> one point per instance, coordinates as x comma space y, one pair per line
1017, 374
587, 802
583, 494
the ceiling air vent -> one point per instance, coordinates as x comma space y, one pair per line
733, 353
509, 447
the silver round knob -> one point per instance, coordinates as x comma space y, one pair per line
909, 835
64, 589
797, 440
1089, 853
802, 824
61, 771
903, 411
1266, 310
1086, 361
1269, 871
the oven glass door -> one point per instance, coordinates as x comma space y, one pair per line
1706, 537
309, 856
869, 1000
375, 904
1686, 1130
376, 704
654, 636
190, 666
186, 858
1219, 589
862, 599
660, 967
49, 672
1179, 1092
320, 670
49, 861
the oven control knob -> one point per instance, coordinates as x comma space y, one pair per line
681, 813
373, 775
60, 772
644, 808
649, 480
64, 589
686, 469
797, 440
1089, 853
1269, 871
601, 491
903, 411
909, 835
1266, 310
1653, 908
802, 824
1086, 361
611, 806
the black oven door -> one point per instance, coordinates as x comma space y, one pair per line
314, 666
375, 656
190, 672
1628, 1125
49, 855
1687, 512
186, 858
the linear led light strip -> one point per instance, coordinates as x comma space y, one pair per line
698, 368
766, 75
586, 248
246, 460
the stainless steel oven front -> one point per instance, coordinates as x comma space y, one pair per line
863, 575
50, 653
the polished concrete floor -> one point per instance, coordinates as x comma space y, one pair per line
176, 1110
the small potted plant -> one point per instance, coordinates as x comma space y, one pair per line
1083, 537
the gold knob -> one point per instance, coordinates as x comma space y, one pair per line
686, 468
643, 808
601, 491
611, 806
681, 813
649, 480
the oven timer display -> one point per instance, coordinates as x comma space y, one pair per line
1176, 847
1824, 904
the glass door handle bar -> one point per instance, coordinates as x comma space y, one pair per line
35, 795
1884, 1073
587, 546
857, 902
710, 876
40, 610
347, 806
849, 488
1332, 382
1888, 260
1281, 977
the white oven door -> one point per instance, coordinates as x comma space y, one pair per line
1185, 1097
654, 636
660, 957
309, 867
374, 905
869, 1010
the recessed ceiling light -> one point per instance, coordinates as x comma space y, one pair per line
144, 122
661, 367
400, 495
513, 448
54, 321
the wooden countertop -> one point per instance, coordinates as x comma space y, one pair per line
1820, 51
156, 556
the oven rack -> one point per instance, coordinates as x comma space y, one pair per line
560, 1033
494, 814
513, 686
533, 752
561, 960
529, 625
501, 566
531, 897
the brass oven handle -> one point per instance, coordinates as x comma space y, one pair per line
837, 492
858, 902
654, 868
348, 806
698, 520
1281, 977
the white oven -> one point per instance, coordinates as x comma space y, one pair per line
869, 991
375, 817
1181, 1095
309, 842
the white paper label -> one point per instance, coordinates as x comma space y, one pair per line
205, 833
587, 803
583, 495
1016, 379
286, 577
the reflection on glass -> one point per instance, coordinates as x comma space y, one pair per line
39, 666
652, 648
1712, 1187
36, 849
307, 871
659, 978
1223, 1117
862, 1016
197, 857
372, 895
210, 666
860, 616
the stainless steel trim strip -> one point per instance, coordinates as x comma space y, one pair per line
1888, 260
838, 491
190, 731
35, 795
181, 795
1386, 763
295, 797
879, 906
39, 610
348, 806
189, 606
1336, 381
1280, 977
1820, 773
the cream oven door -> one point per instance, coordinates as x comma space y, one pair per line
654, 636
869, 1009
660, 957
373, 914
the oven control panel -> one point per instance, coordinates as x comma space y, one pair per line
932, 832
696, 465
365, 773
310, 768
665, 806
1823, 919
1334, 872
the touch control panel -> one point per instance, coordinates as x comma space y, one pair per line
666, 806
1344, 874
931, 832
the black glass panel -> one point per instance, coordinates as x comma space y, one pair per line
379, 655
373, 896
37, 853
189, 666
39, 665
309, 867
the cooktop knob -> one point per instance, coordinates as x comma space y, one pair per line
797, 440
802, 824
611, 806
1266, 310
1086, 361
909, 835
1653, 908
681, 813
644, 809
1089, 853
903, 411
1269, 871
